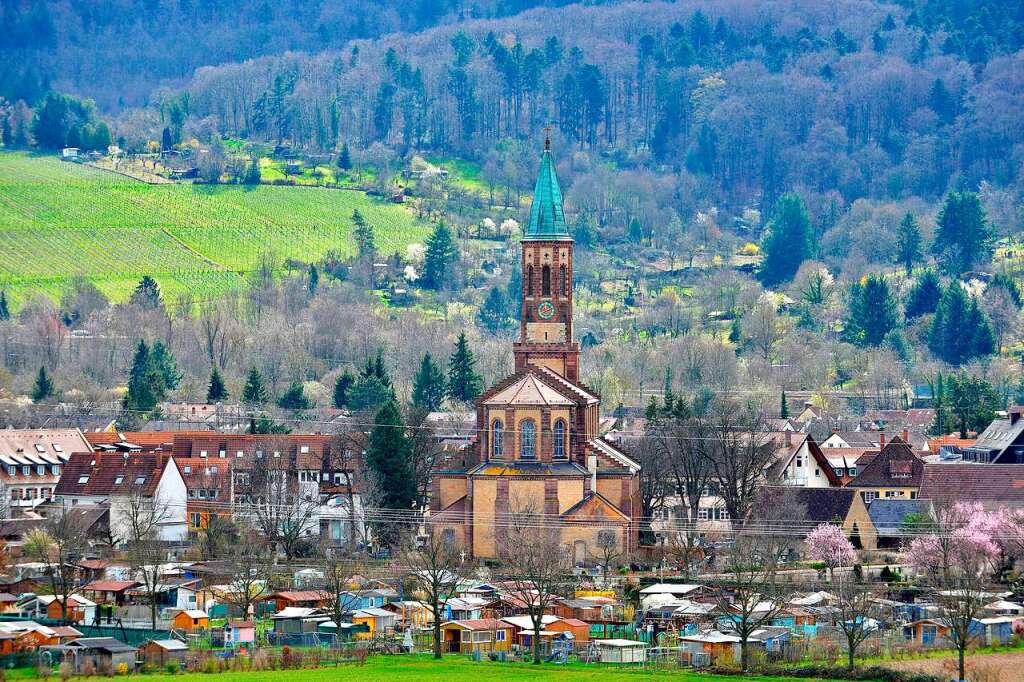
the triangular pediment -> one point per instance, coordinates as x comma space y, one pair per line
594, 507
529, 390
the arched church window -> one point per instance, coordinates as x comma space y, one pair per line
527, 439
565, 282
529, 281
545, 281
559, 437
497, 438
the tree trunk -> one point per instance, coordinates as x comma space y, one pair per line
849, 650
536, 642
960, 654
743, 654
437, 625
152, 610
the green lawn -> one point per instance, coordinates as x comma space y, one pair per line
424, 669
59, 220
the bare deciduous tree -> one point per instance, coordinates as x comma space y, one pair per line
531, 552
58, 545
435, 563
251, 563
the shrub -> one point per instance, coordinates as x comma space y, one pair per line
122, 668
210, 665
869, 673
44, 671
172, 667
88, 668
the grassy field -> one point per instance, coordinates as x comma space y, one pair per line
59, 220
424, 669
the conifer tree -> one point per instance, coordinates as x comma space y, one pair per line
345, 157
963, 236
314, 279
960, 331
265, 425
145, 384
253, 175
924, 295
43, 387
255, 391
441, 253
784, 407
494, 313
463, 381
428, 385
146, 294
908, 243
294, 398
5, 311
635, 232
789, 241
217, 391
389, 460
166, 365
342, 386
584, 233
363, 234
872, 311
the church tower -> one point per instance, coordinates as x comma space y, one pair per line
545, 328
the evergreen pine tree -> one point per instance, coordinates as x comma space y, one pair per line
166, 365
5, 312
389, 460
584, 233
216, 392
294, 398
635, 231
667, 395
145, 383
872, 311
146, 294
963, 236
345, 157
908, 243
253, 175
428, 385
314, 279
264, 425
363, 234
1004, 281
463, 381
165, 140
735, 331
441, 253
784, 407
960, 331
924, 295
494, 313
255, 391
43, 387
789, 241
342, 386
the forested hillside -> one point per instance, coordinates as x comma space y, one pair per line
117, 51
737, 100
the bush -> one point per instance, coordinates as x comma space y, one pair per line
172, 667
122, 668
869, 673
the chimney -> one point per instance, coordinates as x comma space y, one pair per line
789, 438
159, 460
881, 438
906, 436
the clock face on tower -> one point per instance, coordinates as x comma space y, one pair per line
546, 310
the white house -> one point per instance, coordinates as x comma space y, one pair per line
128, 482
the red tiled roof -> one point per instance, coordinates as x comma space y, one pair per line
102, 474
299, 595
991, 484
288, 445
110, 585
896, 465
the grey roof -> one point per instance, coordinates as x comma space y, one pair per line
1001, 435
108, 644
887, 514
170, 644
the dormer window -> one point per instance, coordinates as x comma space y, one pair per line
82, 480
139, 480
304, 449
119, 480
40, 447
497, 438
527, 439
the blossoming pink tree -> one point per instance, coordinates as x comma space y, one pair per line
827, 543
959, 557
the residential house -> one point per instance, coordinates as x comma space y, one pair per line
993, 485
889, 517
914, 419
469, 636
191, 620
32, 460
895, 472
802, 463
917, 440
1001, 443
838, 505
120, 482
210, 490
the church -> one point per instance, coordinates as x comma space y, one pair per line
538, 447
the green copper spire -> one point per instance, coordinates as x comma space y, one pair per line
547, 220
